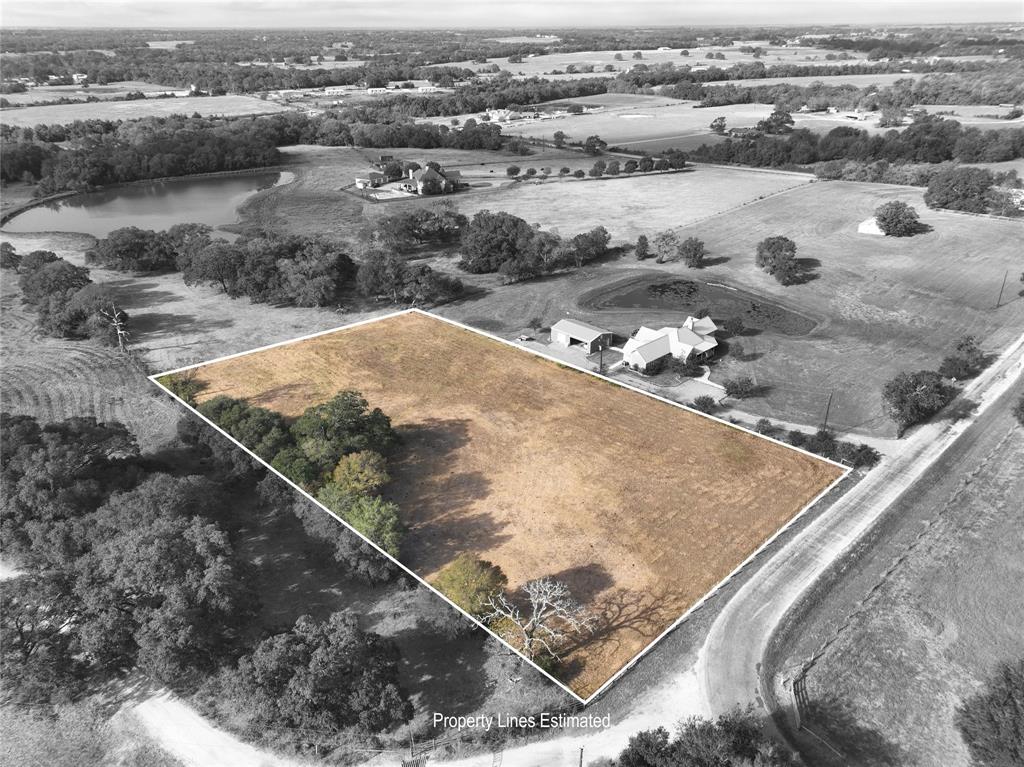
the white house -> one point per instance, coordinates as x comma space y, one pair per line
590, 337
649, 349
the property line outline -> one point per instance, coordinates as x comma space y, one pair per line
846, 471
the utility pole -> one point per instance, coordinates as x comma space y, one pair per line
828, 407
1001, 288
581, 756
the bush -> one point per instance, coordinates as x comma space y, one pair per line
910, 398
704, 404
966, 361
740, 388
764, 426
512, 171
469, 581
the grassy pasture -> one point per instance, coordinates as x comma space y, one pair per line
631, 206
547, 471
884, 304
77, 92
931, 630
208, 106
536, 66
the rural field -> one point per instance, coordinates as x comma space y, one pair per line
208, 106
77, 92
629, 207
535, 66
923, 612
546, 471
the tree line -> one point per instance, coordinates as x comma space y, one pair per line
337, 450
285, 270
503, 243
131, 560
67, 303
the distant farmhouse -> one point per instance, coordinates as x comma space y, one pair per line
575, 333
649, 350
427, 179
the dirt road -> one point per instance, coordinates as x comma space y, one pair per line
728, 666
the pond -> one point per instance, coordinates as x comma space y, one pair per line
157, 205
698, 298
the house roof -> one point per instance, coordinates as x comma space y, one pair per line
579, 330
648, 344
704, 326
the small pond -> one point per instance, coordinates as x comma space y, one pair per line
157, 205
698, 298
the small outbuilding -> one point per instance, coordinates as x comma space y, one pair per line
575, 333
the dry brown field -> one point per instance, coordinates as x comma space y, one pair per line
639, 506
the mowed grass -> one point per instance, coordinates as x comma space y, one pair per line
208, 106
629, 206
641, 507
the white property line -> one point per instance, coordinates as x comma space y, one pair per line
611, 680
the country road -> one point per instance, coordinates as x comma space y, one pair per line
728, 665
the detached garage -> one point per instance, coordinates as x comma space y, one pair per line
572, 332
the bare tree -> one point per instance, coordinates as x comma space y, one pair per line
119, 322
552, 615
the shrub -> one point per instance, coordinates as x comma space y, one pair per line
764, 426
740, 388
469, 581
512, 171
704, 404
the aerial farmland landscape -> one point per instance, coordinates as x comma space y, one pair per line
636, 386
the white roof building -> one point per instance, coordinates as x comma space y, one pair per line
694, 338
570, 332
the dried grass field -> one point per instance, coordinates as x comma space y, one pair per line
208, 106
639, 506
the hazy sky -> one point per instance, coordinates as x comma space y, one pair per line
494, 13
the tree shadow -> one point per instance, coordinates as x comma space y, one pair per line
284, 391
957, 410
140, 295
443, 673
585, 582
622, 613
436, 498
805, 271
716, 261
836, 720
159, 324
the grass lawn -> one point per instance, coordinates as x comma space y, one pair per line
133, 110
641, 507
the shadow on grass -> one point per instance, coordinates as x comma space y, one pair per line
437, 499
836, 721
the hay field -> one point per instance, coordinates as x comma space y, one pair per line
77, 92
208, 106
640, 507
631, 206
